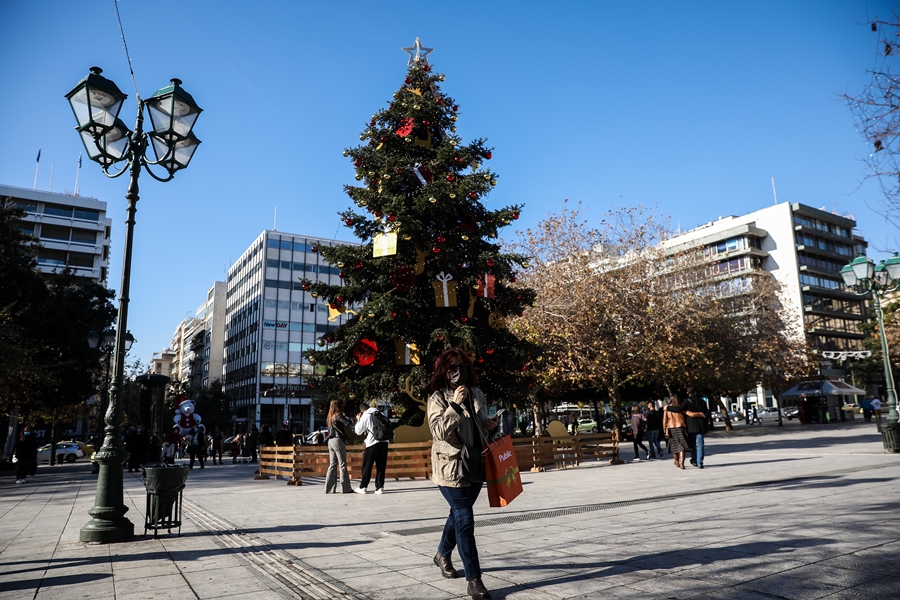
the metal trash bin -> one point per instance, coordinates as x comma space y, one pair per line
890, 436
164, 484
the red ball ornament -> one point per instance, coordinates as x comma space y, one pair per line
450, 177
463, 319
364, 352
349, 222
480, 360
383, 139
372, 122
436, 250
441, 239
427, 68
518, 296
489, 351
473, 195
313, 249
515, 215
304, 286
426, 122
341, 274
393, 314
455, 108
407, 80
488, 155
399, 171
440, 338
457, 159
332, 305
489, 263
312, 386
357, 162
339, 299
378, 213
521, 314
359, 265
391, 217
440, 100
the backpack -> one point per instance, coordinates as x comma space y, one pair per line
381, 427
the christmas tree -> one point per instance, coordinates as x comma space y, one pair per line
429, 274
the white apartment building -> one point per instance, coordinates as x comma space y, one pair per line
804, 248
73, 231
270, 321
212, 315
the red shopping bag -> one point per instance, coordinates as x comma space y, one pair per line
502, 472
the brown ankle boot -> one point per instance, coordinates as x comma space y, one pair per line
477, 590
446, 567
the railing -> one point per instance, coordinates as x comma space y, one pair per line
413, 460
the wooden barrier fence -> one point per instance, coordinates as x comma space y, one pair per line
413, 460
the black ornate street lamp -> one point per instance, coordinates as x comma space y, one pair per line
96, 102
862, 276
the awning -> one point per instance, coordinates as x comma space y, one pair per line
822, 388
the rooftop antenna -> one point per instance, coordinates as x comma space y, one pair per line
275, 220
774, 195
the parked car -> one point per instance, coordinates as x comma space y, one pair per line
587, 425
310, 438
733, 415
767, 413
65, 451
87, 449
625, 433
791, 413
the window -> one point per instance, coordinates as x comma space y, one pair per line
57, 210
51, 258
87, 214
81, 259
54, 232
84, 236
26, 205
26, 228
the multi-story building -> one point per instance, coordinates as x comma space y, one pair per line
212, 314
161, 363
73, 231
186, 346
270, 321
804, 248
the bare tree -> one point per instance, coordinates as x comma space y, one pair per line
876, 111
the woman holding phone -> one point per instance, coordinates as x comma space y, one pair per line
457, 416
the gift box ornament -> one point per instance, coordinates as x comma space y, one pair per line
486, 284
384, 244
423, 174
406, 127
444, 290
406, 353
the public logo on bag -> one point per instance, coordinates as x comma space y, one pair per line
505, 455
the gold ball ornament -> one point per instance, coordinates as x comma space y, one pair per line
359, 177
415, 107
351, 396
454, 118
408, 139
407, 237
386, 176
346, 153
432, 199
452, 196
340, 265
526, 264
362, 136
493, 182
487, 176
465, 238
371, 315
314, 294
453, 130
344, 365
441, 77
452, 142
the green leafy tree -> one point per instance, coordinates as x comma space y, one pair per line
448, 284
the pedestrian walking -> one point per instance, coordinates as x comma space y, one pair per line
866, 406
266, 438
457, 417
337, 424
235, 448
195, 442
376, 451
253, 442
215, 446
638, 427
696, 420
26, 455
876, 409
172, 443
654, 429
284, 437
137, 443
755, 418
675, 431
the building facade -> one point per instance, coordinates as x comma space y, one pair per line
212, 315
804, 248
73, 231
269, 322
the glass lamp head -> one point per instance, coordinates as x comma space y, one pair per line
849, 276
863, 267
96, 102
173, 112
893, 268
93, 339
129, 340
881, 274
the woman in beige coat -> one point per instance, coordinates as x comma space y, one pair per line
457, 416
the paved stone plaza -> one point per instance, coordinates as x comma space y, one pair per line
793, 512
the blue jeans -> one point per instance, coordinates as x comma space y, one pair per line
653, 440
696, 448
459, 530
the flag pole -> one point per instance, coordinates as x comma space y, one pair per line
37, 168
52, 167
77, 173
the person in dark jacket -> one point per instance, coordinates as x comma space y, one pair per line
638, 427
284, 437
266, 438
697, 419
26, 454
253, 442
338, 424
654, 429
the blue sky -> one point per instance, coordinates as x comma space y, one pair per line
691, 107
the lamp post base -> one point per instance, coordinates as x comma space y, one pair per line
107, 531
890, 436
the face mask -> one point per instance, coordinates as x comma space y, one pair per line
26, 433
458, 378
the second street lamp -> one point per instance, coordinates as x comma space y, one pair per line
863, 277
96, 102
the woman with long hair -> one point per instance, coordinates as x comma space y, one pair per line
638, 427
675, 432
337, 424
457, 416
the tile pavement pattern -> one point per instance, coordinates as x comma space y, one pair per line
796, 512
